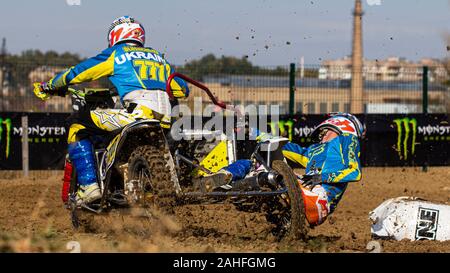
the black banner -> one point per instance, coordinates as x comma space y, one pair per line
391, 140
47, 138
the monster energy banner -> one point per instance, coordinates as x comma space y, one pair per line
391, 140
47, 141
412, 140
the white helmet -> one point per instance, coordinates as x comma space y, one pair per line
126, 29
341, 123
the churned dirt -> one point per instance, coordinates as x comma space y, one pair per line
33, 219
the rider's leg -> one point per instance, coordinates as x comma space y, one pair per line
316, 204
81, 154
234, 172
239, 169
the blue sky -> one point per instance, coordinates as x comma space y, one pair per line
189, 29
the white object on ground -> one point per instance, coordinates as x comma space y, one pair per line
411, 218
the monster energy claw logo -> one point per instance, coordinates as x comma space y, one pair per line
282, 128
7, 124
406, 135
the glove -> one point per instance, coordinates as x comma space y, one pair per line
311, 180
263, 137
41, 90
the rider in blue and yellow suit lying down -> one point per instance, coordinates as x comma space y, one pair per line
330, 165
136, 72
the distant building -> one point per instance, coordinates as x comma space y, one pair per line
391, 69
44, 73
315, 96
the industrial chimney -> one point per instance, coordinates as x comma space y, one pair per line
357, 88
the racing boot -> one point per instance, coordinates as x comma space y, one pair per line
81, 154
88, 194
224, 178
212, 182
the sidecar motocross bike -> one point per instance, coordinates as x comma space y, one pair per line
141, 166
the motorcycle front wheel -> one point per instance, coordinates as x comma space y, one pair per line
287, 212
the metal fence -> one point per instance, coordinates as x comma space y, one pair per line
318, 88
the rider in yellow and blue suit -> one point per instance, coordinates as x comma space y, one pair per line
134, 70
330, 165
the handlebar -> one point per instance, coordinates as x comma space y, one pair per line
76, 92
87, 91
199, 85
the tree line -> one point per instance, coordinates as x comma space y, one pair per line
17, 67
20, 65
227, 65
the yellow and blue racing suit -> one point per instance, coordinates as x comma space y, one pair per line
129, 68
337, 162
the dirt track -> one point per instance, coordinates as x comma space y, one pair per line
32, 218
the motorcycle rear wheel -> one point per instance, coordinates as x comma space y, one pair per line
149, 166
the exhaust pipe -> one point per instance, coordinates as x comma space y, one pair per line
256, 182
